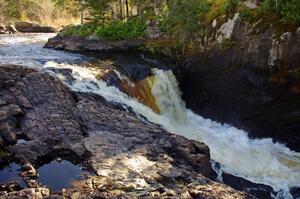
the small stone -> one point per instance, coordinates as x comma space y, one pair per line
8, 135
11, 29
15, 110
23, 102
214, 23
3, 114
298, 30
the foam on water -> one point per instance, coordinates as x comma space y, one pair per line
27, 49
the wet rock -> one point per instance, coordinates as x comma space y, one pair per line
32, 27
28, 171
259, 190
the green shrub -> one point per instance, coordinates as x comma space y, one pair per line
226, 44
290, 11
231, 6
118, 30
113, 30
246, 14
85, 30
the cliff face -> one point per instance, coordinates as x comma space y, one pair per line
249, 78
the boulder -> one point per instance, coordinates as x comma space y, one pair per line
32, 27
11, 29
2, 29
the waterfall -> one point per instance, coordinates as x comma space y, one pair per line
257, 160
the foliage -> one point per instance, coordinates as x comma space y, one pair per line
246, 14
288, 10
226, 44
231, 6
183, 22
85, 30
44, 11
118, 30
113, 30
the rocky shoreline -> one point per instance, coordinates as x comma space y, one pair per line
25, 27
77, 43
131, 159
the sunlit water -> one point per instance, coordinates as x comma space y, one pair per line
258, 160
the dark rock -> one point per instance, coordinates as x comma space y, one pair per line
249, 85
131, 158
8, 134
11, 29
2, 29
258, 190
32, 27
78, 43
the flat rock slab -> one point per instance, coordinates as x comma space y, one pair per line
131, 159
78, 43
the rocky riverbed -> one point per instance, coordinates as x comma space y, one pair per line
127, 158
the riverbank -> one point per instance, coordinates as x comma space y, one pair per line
25, 27
253, 84
131, 158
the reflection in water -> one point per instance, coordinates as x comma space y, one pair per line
60, 174
10, 174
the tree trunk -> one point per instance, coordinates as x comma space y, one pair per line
120, 9
127, 9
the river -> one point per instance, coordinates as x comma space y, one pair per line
257, 160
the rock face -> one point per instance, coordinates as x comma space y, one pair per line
32, 27
132, 159
254, 84
91, 43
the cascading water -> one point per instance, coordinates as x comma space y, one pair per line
258, 160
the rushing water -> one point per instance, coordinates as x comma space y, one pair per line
257, 160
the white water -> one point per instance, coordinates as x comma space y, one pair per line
258, 160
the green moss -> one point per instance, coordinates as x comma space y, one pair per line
4, 154
231, 6
246, 14
226, 44
295, 73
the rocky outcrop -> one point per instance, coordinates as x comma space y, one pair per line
91, 43
7, 29
33, 27
131, 159
250, 79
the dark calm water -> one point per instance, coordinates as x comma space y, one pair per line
60, 174
10, 174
